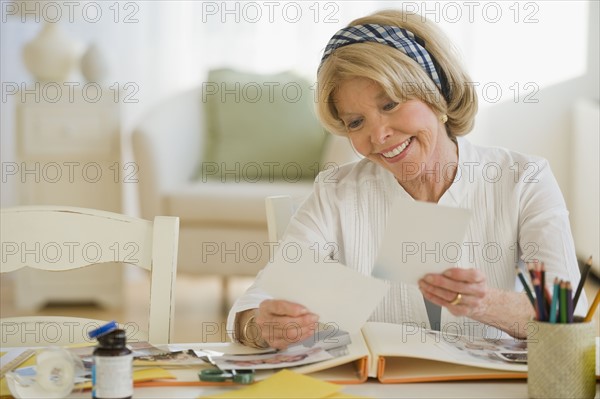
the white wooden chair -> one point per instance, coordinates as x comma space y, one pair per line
63, 238
280, 209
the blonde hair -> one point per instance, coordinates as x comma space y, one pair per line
400, 77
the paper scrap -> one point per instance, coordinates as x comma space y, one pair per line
420, 238
339, 295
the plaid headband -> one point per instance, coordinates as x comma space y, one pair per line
392, 36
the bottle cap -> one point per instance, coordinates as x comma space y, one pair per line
105, 329
116, 338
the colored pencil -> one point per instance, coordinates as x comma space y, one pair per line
592, 310
530, 268
525, 286
537, 271
563, 302
569, 294
584, 274
546, 295
538, 297
554, 304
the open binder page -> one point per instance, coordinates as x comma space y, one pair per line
406, 353
347, 369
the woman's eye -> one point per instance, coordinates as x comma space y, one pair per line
390, 106
354, 124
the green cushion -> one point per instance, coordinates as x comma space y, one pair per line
260, 127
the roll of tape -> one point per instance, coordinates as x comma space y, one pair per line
54, 376
56, 372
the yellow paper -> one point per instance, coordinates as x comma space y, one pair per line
4, 391
341, 395
283, 385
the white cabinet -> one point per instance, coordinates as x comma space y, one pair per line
69, 152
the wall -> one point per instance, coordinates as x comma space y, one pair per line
545, 128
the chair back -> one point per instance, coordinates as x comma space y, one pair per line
58, 238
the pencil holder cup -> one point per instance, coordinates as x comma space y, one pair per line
561, 360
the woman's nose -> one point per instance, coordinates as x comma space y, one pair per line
380, 132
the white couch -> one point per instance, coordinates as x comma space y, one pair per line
223, 228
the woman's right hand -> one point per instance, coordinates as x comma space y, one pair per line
284, 323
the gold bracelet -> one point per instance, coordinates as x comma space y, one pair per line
259, 342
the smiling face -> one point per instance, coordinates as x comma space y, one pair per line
405, 138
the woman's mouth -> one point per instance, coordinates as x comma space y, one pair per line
397, 151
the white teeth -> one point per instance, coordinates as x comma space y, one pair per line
397, 150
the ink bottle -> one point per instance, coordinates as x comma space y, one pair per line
112, 372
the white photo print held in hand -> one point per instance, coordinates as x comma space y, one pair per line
420, 238
326, 288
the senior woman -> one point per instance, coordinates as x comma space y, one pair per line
391, 84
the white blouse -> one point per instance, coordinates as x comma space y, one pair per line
518, 214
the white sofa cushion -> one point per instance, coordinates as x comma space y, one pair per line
236, 203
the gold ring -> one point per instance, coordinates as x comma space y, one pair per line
456, 300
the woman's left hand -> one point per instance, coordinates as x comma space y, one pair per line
462, 291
